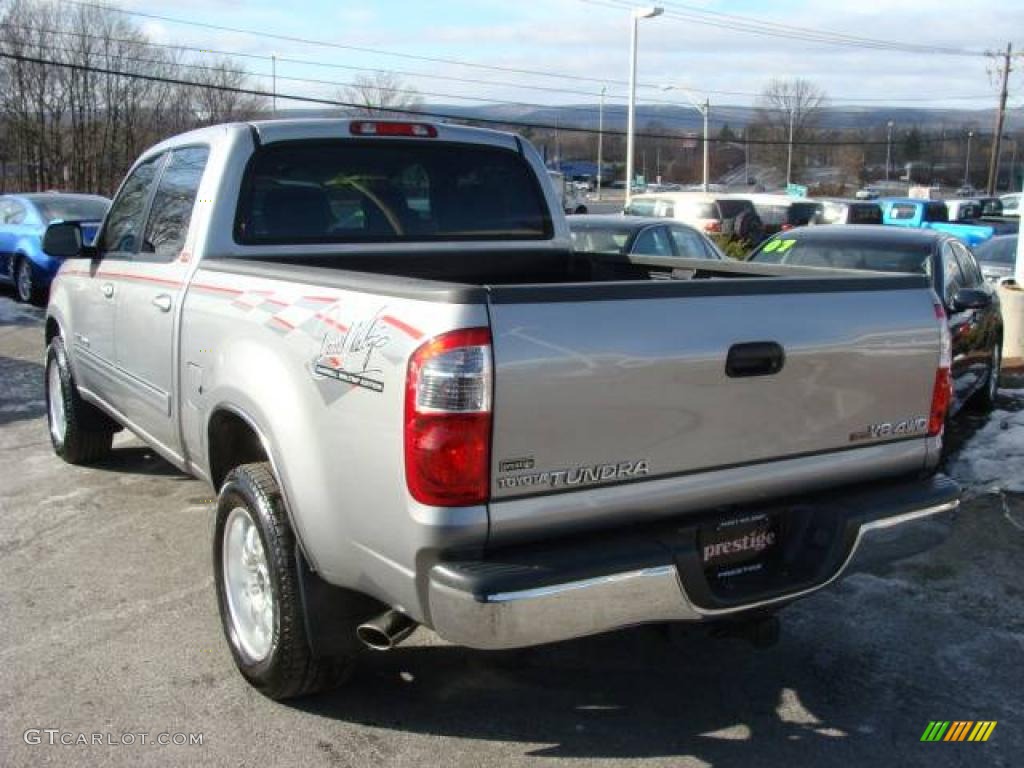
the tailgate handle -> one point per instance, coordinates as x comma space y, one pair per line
759, 358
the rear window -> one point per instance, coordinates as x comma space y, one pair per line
902, 211
998, 251
936, 212
597, 240
388, 191
70, 208
880, 257
732, 208
865, 214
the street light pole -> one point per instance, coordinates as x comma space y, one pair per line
638, 13
600, 140
789, 159
967, 160
705, 111
273, 71
888, 150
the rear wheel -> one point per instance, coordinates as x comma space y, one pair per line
259, 593
79, 432
24, 282
985, 398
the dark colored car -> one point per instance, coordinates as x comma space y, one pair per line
23, 220
971, 304
997, 257
640, 236
779, 213
839, 211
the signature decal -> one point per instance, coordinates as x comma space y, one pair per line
352, 353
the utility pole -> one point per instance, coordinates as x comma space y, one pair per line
707, 146
600, 139
888, 150
993, 164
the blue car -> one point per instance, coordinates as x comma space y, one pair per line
23, 220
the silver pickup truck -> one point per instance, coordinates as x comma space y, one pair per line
419, 406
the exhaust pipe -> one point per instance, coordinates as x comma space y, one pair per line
385, 631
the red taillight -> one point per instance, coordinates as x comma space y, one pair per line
448, 419
942, 392
785, 227
379, 128
713, 226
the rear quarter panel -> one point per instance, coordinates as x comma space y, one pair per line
278, 352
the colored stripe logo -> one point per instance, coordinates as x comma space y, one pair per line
958, 730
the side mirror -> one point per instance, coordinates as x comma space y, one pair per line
63, 240
970, 298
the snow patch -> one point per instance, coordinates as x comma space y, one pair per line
12, 313
993, 458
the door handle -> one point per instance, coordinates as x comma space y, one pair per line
760, 358
162, 302
108, 289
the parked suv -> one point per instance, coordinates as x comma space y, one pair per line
714, 214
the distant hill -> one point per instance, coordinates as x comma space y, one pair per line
686, 119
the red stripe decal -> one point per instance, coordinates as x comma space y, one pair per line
216, 289
403, 327
324, 299
276, 302
333, 323
283, 323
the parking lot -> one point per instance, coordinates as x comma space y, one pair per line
110, 626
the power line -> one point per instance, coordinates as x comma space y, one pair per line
726, 111
751, 25
419, 112
416, 57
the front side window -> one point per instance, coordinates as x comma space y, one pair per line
173, 202
968, 266
388, 191
952, 276
124, 224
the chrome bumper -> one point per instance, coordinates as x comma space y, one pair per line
554, 612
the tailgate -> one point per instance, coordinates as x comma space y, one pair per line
609, 383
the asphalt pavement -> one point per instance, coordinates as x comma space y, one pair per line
110, 627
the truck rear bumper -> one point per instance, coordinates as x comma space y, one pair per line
525, 596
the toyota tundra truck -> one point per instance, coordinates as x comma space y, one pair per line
418, 406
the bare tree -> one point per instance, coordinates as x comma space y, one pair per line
781, 102
381, 94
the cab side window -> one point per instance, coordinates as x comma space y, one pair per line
968, 266
173, 202
124, 221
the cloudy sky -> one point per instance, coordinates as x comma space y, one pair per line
589, 39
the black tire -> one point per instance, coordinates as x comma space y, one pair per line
289, 668
985, 398
24, 282
88, 432
580, 210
